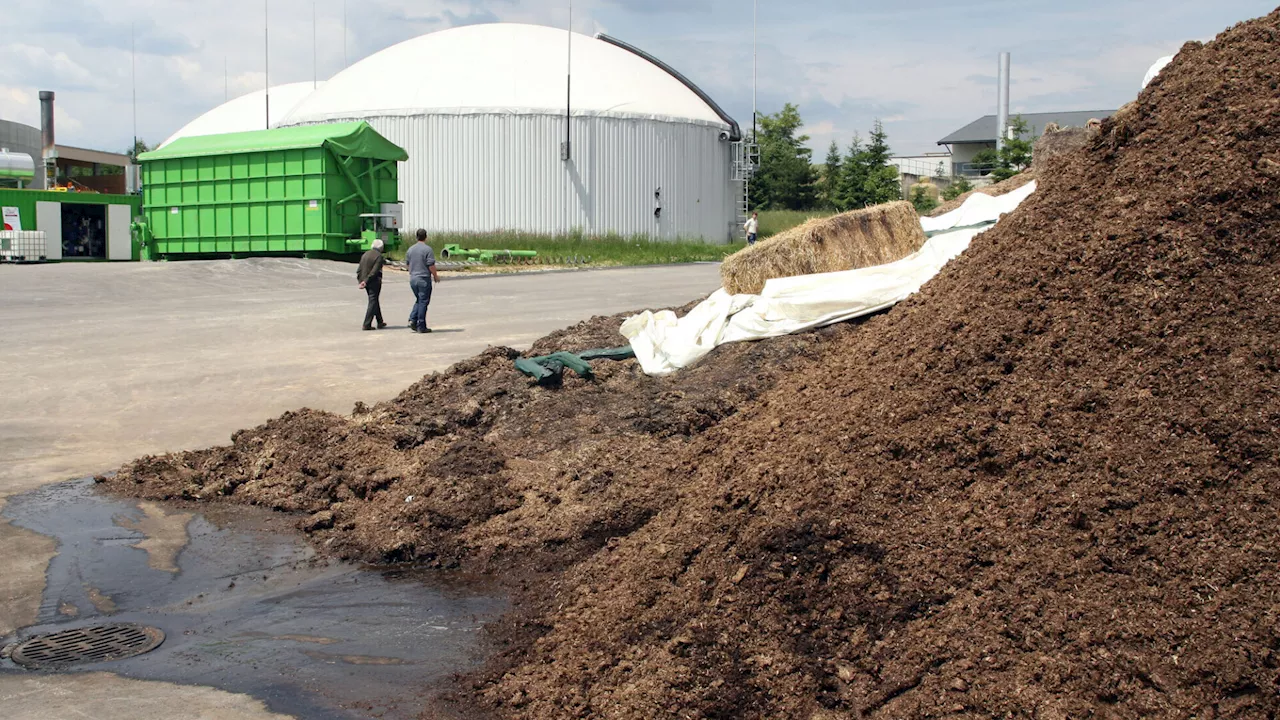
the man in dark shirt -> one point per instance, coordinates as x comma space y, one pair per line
370, 277
421, 260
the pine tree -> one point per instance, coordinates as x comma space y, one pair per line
850, 190
1014, 155
829, 188
882, 184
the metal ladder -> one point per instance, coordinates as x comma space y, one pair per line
746, 160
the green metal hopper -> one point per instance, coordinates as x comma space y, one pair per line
288, 191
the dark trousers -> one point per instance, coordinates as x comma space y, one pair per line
421, 287
373, 286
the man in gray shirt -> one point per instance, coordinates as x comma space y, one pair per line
422, 271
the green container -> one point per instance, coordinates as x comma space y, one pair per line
268, 192
25, 201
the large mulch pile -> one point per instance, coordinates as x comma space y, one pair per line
478, 468
1044, 487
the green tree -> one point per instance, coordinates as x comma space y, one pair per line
881, 185
989, 159
829, 185
139, 146
922, 199
1014, 155
850, 190
785, 180
959, 186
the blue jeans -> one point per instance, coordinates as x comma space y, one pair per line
421, 287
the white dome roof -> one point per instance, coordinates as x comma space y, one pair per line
502, 67
246, 112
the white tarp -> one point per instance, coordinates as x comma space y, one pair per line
664, 343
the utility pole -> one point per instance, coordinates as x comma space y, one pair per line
755, 62
315, 68
133, 72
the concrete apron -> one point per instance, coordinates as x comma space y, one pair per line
246, 606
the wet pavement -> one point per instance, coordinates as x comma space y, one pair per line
247, 606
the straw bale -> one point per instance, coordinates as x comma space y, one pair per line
862, 238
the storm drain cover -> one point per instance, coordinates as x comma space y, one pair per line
87, 645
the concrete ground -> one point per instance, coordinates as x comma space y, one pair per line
102, 363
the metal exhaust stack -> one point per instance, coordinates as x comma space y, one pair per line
1002, 111
49, 150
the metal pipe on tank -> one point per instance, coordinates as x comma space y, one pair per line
1002, 110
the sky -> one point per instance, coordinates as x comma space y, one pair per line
922, 67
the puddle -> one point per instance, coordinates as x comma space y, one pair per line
248, 607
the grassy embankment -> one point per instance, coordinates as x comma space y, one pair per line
773, 222
607, 250
604, 250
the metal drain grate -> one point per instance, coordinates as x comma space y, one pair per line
99, 643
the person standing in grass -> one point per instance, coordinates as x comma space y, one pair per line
421, 260
752, 227
370, 277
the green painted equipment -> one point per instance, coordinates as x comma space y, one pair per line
299, 190
457, 252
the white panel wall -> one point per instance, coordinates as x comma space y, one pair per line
119, 239
486, 172
49, 220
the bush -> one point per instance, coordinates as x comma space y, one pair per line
958, 187
922, 199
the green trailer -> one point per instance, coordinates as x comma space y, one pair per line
286, 191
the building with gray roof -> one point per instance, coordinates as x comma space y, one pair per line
980, 135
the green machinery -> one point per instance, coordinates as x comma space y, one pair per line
457, 252
329, 189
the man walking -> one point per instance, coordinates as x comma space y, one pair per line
370, 277
752, 227
422, 271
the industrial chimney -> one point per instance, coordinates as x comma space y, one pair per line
49, 150
1002, 110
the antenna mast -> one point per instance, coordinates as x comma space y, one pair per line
755, 62
568, 84
266, 62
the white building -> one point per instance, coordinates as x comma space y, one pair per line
484, 112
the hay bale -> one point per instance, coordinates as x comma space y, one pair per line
862, 238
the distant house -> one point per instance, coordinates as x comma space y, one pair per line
980, 135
